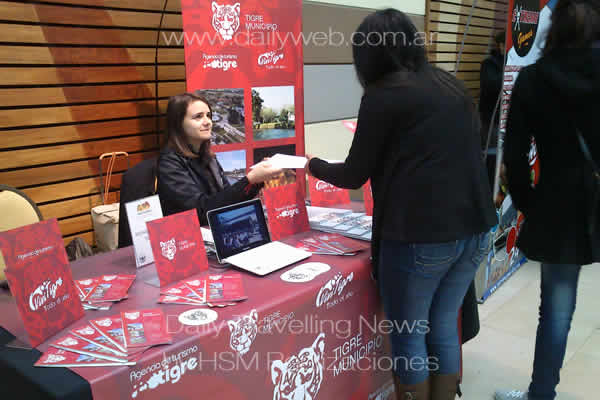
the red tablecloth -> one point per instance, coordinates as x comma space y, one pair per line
314, 340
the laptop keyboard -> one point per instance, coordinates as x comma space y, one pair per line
268, 257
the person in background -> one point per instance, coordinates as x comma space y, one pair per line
551, 100
490, 80
189, 175
418, 140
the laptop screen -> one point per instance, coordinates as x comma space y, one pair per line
238, 228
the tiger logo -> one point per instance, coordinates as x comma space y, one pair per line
226, 19
168, 249
300, 377
53, 358
243, 332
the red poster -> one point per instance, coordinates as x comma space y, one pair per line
177, 246
368, 196
38, 273
323, 194
286, 211
246, 58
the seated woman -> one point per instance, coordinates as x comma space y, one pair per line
189, 175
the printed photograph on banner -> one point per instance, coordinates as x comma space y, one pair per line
228, 114
234, 164
287, 176
273, 112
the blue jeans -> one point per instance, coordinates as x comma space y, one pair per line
422, 287
559, 294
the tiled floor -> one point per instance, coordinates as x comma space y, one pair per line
501, 356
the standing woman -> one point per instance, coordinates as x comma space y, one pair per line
552, 100
418, 141
189, 175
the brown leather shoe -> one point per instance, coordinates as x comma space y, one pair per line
420, 391
443, 387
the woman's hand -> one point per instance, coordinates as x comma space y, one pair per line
308, 157
263, 171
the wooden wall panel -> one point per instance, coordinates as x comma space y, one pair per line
446, 22
77, 79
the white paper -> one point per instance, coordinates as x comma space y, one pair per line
332, 161
285, 161
138, 213
207, 235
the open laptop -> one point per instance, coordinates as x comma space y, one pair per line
242, 239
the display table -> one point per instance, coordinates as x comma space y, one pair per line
322, 339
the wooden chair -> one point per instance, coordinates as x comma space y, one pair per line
17, 210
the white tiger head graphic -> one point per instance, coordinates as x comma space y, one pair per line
226, 19
54, 358
168, 249
300, 377
243, 332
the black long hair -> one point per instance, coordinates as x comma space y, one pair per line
387, 41
176, 138
575, 25
388, 50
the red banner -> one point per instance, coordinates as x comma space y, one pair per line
323, 194
286, 211
246, 58
39, 276
177, 246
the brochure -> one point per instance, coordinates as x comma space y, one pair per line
143, 328
138, 213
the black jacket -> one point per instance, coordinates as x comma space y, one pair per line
138, 182
421, 149
186, 183
490, 80
550, 98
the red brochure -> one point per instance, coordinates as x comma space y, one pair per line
323, 194
54, 357
341, 243
91, 335
85, 286
198, 287
177, 246
39, 276
286, 211
110, 288
183, 291
225, 288
112, 329
169, 299
144, 328
368, 197
78, 345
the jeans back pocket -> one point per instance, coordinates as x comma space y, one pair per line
435, 254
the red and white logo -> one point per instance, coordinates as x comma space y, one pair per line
223, 62
43, 293
104, 322
289, 213
86, 331
334, 287
168, 249
243, 332
132, 315
68, 342
270, 58
53, 358
300, 377
109, 278
322, 186
226, 19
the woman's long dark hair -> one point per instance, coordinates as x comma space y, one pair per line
176, 138
575, 24
389, 50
